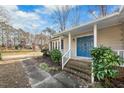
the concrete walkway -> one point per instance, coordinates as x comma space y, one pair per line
41, 79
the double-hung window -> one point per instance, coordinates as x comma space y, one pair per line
62, 44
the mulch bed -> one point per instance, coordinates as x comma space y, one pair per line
47, 60
12, 75
118, 82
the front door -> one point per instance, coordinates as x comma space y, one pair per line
84, 45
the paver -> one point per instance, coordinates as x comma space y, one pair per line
42, 79
39, 75
49, 83
68, 80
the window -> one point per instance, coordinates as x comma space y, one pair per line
56, 45
53, 45
62, 44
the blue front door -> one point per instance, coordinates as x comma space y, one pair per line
84, 45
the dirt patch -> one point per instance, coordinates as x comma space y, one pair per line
53, 67
12, 75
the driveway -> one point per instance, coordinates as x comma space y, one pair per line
12, 75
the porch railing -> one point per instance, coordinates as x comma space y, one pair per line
66, 57
120, 53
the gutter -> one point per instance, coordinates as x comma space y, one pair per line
121, 9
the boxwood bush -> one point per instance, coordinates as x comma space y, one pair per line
104, 62
56, 55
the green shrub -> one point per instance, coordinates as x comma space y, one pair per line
17, 47
51, 69
104, 63
56, 56
0, 56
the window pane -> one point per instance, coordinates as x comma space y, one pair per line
62, 44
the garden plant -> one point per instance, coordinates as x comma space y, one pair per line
56, 56
105, 61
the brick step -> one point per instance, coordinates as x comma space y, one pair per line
80, 61
79, 69
79, 74
84, 61
79, 64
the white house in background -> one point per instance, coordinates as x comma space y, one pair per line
76, 43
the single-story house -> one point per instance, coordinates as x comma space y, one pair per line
76, 42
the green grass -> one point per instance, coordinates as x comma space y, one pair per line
15, 51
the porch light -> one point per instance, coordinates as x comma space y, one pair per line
73, 39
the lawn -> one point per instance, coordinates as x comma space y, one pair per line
12, 54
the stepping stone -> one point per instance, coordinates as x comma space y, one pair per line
28, 62
38, 75
31, 68
66, 80
49, 82
33, 81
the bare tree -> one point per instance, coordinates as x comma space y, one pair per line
103, 10
2, 26
100, 10
4, 19
4, 14
49, 31
60, 16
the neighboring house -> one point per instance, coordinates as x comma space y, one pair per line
77, 42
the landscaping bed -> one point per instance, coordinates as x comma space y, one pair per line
45, 63
115, 83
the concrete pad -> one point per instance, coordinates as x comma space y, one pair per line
49, 83
33, 81
38, 75
31, 68
28, 62
67, 80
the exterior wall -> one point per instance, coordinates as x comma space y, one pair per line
53, 43
74, 41
65, 48
65, 43
110, 37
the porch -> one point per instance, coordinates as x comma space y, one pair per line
71, 43
78, 42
